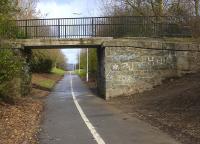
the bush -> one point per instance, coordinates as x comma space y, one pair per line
10, 90
10, 65
43, 61
10, 69
41, 65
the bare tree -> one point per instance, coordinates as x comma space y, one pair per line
27, 9
152, 7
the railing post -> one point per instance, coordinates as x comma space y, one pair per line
92, 27
36, 34
58, 28
26, 28
65, 24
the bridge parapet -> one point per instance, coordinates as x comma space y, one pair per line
86, 27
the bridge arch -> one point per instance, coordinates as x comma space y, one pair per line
27, 45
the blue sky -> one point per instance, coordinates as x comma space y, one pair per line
66, 9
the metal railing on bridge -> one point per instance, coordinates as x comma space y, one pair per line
122, 26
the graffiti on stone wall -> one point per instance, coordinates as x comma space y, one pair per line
130, 66
127, 78
123, 57
145, 63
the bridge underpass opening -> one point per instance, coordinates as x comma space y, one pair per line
96, 73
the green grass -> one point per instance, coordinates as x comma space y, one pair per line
48, 80
46, 84
58, 71
81, 74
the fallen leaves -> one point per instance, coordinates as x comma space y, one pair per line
20, 123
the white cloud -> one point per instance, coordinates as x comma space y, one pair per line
54, 9
71, 54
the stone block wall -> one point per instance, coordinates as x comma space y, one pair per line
133, 66
101, 71
26, 72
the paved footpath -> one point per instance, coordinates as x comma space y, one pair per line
73, 115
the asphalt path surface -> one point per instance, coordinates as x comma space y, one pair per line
73, 115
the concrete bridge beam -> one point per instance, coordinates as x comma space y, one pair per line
60, 43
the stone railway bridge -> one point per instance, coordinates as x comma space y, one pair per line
129, 59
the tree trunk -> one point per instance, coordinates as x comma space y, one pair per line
159, 6
196, 7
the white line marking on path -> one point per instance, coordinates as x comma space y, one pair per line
95, 134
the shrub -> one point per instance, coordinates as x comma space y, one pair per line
41, 65
43, 61
10, 90
10, 68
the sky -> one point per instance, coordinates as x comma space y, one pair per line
67, 9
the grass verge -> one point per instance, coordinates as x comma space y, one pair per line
58, 71
82, 73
